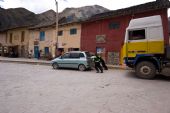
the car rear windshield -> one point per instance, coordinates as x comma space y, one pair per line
87, 54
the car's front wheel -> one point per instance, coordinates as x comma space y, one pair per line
55, 66
82, 67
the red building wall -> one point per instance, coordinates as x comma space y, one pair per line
114, 37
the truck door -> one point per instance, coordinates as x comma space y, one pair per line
136, 42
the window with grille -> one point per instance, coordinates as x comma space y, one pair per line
73, 31
114, 25
42, 35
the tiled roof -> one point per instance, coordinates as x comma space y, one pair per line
43, 24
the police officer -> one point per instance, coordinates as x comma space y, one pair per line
103, 63
97, 64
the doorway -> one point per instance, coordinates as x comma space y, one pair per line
101, 51
23, 51
36, 51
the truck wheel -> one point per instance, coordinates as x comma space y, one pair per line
145, 70
55, 66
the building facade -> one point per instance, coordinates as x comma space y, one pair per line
3, 41
69, 37
15, 42
44, 40
104, 33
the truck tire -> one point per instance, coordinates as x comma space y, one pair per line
145, 70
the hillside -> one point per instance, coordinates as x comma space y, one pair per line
82, 13
21, 17
69, 15
18, 17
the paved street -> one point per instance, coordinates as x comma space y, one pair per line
26, 88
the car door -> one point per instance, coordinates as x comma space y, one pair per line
74, 60
64, 60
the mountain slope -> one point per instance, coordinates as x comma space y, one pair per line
21, 17
82, 13
18, 17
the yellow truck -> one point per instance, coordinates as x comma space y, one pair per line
144, 49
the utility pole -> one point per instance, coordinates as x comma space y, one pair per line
57, 44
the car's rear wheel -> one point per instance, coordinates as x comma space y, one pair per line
82, 67
55, 66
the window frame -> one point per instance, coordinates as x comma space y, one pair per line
42, 36
74, 55
133, 39
114, 25
60, 33
82, 55
66, 57
73, 31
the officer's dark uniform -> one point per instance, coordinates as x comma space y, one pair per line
103, 63
97, 64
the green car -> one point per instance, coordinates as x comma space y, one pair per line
74, 59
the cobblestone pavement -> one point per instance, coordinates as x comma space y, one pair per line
28, 88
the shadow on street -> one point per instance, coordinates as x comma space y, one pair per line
162, 76
71, 69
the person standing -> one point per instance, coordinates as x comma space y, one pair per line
97, 64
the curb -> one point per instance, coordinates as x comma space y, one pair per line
118, 67
49, 64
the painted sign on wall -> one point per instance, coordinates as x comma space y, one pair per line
100, 38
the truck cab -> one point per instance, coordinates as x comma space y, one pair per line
143, 47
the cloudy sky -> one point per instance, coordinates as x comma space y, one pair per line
39, 6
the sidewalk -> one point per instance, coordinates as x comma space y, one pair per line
25, 61
35, 61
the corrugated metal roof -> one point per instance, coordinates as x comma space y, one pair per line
132, 10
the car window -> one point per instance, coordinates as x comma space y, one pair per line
82, 55
74, 55
67, 55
